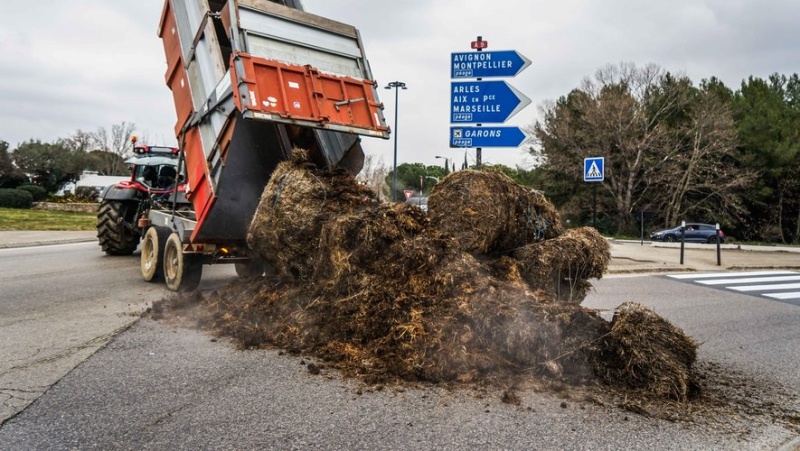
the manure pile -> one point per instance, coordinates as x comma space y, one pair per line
487, 285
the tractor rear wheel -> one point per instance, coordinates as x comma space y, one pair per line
152, 259
182, 272
111, 233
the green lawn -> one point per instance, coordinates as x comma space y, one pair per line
20, 219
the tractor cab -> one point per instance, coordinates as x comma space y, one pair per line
155, 168
156, 173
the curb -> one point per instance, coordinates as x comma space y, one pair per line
734, 247
46, 243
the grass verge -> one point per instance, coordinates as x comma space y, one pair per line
21, 219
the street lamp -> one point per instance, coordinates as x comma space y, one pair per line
446, 164
397, 85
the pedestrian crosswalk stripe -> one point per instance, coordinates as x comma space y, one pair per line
729, 274
749, 280
776, 285
785, 286
795, 295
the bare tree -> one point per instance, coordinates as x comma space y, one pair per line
373, 174
702, 178
79, 141
618, 114
117, 143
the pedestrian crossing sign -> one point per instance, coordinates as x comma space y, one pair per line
594, 169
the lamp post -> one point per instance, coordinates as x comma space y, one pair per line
397, 85
446, 164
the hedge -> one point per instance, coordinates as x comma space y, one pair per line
15, 198
39, 194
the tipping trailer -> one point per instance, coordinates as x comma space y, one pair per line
251, 80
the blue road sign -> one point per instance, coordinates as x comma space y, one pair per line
486, 136
484, 101
503, 63
594, 169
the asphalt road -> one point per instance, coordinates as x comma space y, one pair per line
160, 386
58, 305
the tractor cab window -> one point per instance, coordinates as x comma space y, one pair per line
160, 177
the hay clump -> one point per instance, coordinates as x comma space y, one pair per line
298, 198
644, 351
488, 212
562, 265
384, 293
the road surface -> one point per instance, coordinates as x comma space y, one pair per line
58, 305
160, 386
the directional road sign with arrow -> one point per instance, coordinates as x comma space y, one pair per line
486, 136
484, 102
503, 63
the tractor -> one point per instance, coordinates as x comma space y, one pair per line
154, 182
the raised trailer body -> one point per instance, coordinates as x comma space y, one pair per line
251, 80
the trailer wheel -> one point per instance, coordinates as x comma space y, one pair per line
182, 272
111, 233
152, 259
249, 269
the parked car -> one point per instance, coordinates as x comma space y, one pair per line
695, 233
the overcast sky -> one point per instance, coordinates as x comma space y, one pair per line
81, 64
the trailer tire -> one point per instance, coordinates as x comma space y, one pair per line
152, 258
111, 233
182, 272
250, 269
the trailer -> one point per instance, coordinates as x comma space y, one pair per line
251, 80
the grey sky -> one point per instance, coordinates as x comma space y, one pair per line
66, 65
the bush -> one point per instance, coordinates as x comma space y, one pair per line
87, 192
39, 194
15, 198
13, 180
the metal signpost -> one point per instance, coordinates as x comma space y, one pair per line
594, 171
479, 102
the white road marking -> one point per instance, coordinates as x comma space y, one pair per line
793, 295
749, 280
784, 286
46, 246
759, 283
730, 274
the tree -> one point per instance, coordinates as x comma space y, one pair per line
10, 175
657, 133
617, 115
50, 164
116, 143
409, 174
702, 179
767, 114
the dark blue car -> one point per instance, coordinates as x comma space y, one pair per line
695, 233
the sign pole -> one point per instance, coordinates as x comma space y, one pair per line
719, 255
683, 236
478, 151
594, 205
642, 231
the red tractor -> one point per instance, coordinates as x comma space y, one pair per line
154, 182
